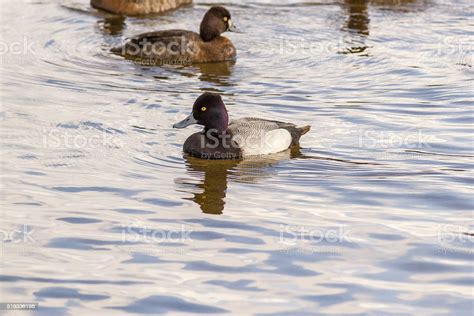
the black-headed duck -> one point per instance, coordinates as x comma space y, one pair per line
138, 7
237, 139
184, 47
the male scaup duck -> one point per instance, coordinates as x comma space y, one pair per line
184, 47
237, 139
138, 7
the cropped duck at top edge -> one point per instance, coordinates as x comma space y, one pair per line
237, 139
138, 7
181, 47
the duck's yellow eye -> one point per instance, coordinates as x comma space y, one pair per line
225, 19
203, 109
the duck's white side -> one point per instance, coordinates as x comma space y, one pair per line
259, 137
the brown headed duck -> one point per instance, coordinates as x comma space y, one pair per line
184, 47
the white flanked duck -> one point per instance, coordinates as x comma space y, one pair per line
237, 139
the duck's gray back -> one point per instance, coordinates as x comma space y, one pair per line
249, 126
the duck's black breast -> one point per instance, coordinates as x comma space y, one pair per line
211, 147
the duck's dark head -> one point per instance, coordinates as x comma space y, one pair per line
209, 111
215, 22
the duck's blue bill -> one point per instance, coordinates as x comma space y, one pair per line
190, 120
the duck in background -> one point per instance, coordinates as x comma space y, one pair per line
237, 139
138, 7
181, 47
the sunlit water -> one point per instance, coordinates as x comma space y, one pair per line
372, 214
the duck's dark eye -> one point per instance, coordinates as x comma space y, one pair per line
226, 19
203, 109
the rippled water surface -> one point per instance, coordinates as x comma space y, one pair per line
372, 215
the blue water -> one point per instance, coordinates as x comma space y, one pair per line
372, 215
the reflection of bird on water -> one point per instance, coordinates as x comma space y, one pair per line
259, 167
213, 183
112, 24
358, 11
214, 176
357, 16
358, 20
217, 73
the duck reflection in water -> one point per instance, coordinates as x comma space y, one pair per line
216, 73
112, 24
358, 20
214, 176
357, 23
357, 16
